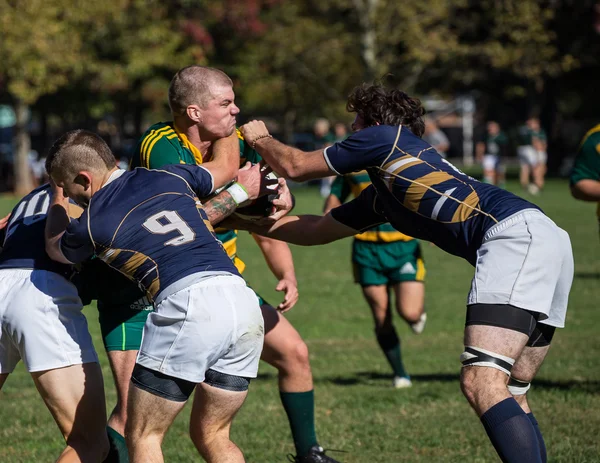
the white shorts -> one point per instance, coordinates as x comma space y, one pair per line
528, 155
525, 261
42, 322
215, 323
493, 162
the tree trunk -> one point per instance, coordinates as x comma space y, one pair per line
23, 180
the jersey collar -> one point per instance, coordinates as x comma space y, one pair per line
115, 175
187, 144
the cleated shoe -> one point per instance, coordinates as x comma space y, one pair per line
401, 382
418, 326
316, 455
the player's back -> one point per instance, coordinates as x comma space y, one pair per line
23, 243
150, 225
421, 193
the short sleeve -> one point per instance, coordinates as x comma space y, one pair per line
355, 153
76, 243
198, 177
340, 188
587, 162
247, 154
360, 213
158, 153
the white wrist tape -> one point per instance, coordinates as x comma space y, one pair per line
238, 193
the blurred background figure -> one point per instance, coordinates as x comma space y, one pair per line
340, 131
323, 138
435, 137
532, 155
491, 153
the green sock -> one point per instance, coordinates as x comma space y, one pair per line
118, 449
390, 345
300, 409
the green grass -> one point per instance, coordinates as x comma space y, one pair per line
356, 408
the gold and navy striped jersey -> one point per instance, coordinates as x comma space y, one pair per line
353, 184
150, 226
417, 191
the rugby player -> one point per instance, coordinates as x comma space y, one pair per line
206, 332
491, 154
202, 101
384, 259
523, 261
585, 176
41, 323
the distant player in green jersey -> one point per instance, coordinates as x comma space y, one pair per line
585, 176
491, 154
181, 142
532, 155
385, 259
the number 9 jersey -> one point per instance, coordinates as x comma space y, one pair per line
150, 226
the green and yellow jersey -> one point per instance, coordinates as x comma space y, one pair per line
587, 162
353, 184
163, 144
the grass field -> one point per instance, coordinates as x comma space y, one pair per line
357, 409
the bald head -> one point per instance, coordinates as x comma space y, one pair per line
194, 85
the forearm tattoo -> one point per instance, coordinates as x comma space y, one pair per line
219, 207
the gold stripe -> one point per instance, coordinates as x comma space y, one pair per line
466, 207
417, 190
154, 286
231, 247
208, 225
149, 149
420, 276
109, 258
186, 142
144, 155
239, 264
382, 236
133, 263
589, 134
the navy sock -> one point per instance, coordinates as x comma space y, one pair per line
540, 438
511, 433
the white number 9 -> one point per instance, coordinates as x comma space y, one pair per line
165, 222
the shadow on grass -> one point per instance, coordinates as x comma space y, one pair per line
369, 377
587, 275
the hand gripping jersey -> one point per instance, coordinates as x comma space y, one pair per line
150, 226
417, 191
354, 183
23, 244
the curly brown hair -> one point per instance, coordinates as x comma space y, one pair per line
388, 106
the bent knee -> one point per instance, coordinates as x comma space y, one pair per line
477, 382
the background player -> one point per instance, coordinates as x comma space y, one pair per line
207, 329
202, 100
585, 176
524, 262
384, 259
491, 153
42, 324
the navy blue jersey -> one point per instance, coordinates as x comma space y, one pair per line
150, 226
23, 244
417, 191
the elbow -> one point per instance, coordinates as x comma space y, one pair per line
577, 193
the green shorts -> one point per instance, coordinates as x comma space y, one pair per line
387, 263
122, 325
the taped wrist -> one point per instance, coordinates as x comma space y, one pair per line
238, 193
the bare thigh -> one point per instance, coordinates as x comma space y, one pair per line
213, 410
75, 397
378, 299
410, 300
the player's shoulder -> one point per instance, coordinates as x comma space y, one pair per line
591, 140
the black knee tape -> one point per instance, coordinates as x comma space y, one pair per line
503, 316
542, 335
227, 382
161, 385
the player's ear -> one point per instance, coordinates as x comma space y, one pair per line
194, 113
84, 179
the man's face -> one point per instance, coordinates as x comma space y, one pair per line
218, 118
78, 189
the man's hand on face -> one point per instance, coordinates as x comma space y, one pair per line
254, 130
255, 181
